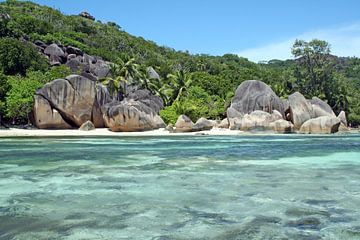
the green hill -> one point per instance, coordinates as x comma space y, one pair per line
195, 85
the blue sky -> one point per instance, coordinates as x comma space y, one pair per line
257, 29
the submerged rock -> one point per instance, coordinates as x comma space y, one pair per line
321, 125
305, 223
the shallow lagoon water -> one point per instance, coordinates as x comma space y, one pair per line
195, 187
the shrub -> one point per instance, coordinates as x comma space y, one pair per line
169, 115
17, 57
19, 100
21, 90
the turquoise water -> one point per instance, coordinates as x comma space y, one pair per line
198, 187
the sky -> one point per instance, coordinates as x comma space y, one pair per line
256, 29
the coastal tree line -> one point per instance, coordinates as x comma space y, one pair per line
195, 85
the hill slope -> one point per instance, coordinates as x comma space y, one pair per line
197, 85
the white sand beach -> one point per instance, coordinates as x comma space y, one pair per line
15, 132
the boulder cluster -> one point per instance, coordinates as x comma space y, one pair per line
81, 102
256, 107
91, 67
76, 100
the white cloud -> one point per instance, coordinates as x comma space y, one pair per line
344, 40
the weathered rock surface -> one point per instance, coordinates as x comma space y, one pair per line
152, 74
235, 123
144, 96
254, 95
321, 108
130, 116
258, 120
71, 102
170, 128
223, 124
342, 117
320, 125
300, 109
87, 15
79, 62
73, 97
184, 124
46, 117
203, 124
282, 126
87, 126
54, 50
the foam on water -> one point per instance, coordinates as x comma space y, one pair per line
238, 187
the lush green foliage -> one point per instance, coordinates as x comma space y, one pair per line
169, 114
196, 85
21, 90
17, 57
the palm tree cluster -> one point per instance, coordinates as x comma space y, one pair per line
126, 72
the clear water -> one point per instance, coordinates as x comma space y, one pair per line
238, 187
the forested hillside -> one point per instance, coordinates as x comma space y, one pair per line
195, 85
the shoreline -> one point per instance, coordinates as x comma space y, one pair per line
104, 132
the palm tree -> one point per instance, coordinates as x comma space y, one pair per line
122, 73
180, 81
114, 81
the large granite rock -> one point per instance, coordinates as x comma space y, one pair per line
321, 125
254, 95
258, 120
203, 124
46, 117
321, 108
73, 97
282, 126
144, 96
86, 64
54, 50
300, 109
102, 97
130, 116
70, 102
184, 124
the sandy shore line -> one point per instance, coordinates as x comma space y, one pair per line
104, 132
15, 132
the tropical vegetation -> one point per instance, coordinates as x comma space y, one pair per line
196, 85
